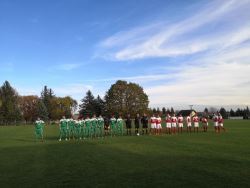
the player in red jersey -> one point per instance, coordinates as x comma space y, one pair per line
180, 123
158, 125
215, 120
153, 124
220, 123
189, 123
174, 123
196, 123
204, 123
168, 124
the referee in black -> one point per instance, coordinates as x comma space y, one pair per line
137, 124
128, 124
144, 121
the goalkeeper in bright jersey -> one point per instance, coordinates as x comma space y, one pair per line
100, 129
63, 129
39, 126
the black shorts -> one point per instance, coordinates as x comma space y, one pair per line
128, 126
137, 126
144, 126
106, 127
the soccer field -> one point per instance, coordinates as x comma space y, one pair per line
184, 160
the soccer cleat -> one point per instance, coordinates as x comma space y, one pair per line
66, 139
60, 140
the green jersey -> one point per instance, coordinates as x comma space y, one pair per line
71, 123
119, 122
39, 125
94, 122
112, 122
87, 123
63, 124
100, 122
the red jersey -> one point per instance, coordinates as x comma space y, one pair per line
195, 119
204, 120
174, 119
180, 119
220, 119
153, 120
168, 119
158, 120
215, 118
188, 119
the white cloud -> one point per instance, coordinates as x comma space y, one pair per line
171, 40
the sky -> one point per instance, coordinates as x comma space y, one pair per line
181, 52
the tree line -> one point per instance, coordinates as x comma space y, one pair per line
121, 98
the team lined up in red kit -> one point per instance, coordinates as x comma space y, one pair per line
175, 124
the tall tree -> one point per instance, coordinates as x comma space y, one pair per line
88, 105
42, 111
172, 110
47, 95
99, 106
28, 106
164, 111
223, 112
123, 97
206, 111
9, 109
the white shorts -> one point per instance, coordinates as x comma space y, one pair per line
216, 124
180, 125
189, 124
173, 124
196, 124
153, 126
158, 126
221, 124
168, 125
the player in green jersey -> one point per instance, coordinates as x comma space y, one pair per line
39, 126
94, 124
83, 129
119, 126
113, 125
77, 129
63, 129
71, 126
100, 130
88, 127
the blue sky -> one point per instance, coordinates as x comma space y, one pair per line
181, 52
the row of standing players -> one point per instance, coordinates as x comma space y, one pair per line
99, 127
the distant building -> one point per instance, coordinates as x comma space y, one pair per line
186, 112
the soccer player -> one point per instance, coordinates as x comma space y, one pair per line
137, 124
215, 120
204, 123
168, 124
106, 126
196, 123
153, 124
77, 129
220, 123
144, 121
180, 123
82, 129
39, 126
71, 125
189, 123
128, 122
88, 127
63, 129
174, 123
119, 125
158, 125
113, 125
100, 126
94, 123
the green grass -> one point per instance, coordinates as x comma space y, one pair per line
196, 160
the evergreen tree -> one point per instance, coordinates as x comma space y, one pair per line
172, 110
42, 111
223, 113
164, 111
88, 106
47, 95
99, 106
232, 113
9, 109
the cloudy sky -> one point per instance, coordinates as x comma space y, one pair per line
181, 52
